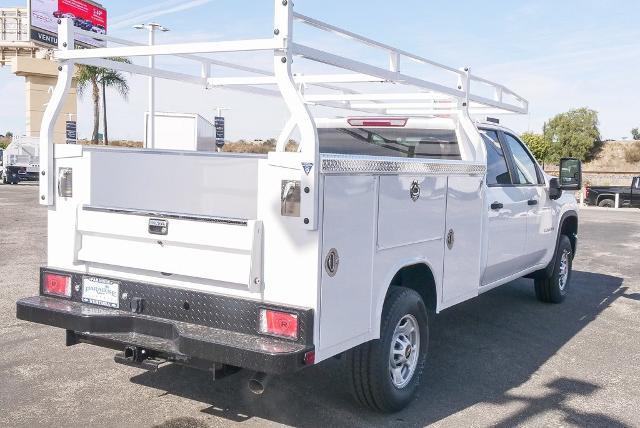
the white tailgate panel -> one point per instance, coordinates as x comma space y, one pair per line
404, 221
462, 261
222, 252
349, 227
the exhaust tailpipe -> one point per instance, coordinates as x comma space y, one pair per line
258, 382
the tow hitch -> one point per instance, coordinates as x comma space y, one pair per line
139, 357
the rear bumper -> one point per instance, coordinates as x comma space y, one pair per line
177, 340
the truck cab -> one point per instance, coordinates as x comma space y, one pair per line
402, 207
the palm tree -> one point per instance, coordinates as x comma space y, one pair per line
94, 77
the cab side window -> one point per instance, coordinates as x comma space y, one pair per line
497, 170
524, 165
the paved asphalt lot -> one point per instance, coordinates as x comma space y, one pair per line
502, 359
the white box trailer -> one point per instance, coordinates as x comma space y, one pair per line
274, 263
180, 131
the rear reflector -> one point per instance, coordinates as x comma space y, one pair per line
390, 122
309, 358
58, 285
282, 324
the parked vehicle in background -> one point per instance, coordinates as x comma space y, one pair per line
21, 160
180, 131
275, 263
1, 166
605, 196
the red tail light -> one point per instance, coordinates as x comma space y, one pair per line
391, 122
278, 323
58, 285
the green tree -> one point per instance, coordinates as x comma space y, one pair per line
9, 135
573, 134
635, 133
539, 146
96, 77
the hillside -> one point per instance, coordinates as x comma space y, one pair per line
612, 158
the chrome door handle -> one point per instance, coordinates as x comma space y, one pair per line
532, 202
497, 206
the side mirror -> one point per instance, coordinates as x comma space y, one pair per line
570, 174
555, 190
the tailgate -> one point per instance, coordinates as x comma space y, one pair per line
220, 249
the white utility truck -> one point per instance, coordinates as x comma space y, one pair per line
21, 161
402, 207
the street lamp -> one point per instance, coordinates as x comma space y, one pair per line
151, 27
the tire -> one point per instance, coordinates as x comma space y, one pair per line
607, 203
554, 289
370, 364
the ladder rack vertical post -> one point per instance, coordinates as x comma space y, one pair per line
309, 150
394, 62
47, 128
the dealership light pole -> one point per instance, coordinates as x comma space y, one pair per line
152, 27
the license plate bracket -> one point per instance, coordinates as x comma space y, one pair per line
100, 291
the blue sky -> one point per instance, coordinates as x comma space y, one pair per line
557, 54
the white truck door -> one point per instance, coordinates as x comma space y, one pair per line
540, 230
507, 215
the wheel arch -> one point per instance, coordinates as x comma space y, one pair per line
569, 226
417, 275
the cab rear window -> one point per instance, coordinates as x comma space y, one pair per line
406, 143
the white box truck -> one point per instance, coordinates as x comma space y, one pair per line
21, 161
403, 206
180, 131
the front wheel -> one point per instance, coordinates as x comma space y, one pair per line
386, 372
554, 288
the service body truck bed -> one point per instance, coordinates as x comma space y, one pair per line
278, 262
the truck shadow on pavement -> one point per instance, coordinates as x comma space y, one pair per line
480, 351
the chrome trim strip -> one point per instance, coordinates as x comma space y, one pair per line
352, 164
169, 215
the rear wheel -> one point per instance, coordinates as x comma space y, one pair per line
554, 289
606, 203
386, 372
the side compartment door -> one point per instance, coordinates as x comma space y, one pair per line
462, 239
506, 207
348, 242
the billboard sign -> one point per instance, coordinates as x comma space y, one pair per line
86, 15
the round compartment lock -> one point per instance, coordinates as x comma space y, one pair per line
331, 262
414, 191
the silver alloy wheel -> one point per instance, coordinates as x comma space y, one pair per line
405, 351
564, 269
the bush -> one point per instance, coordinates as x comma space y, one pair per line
632, 153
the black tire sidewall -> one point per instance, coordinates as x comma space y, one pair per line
606, 203
401, 301
557, 293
